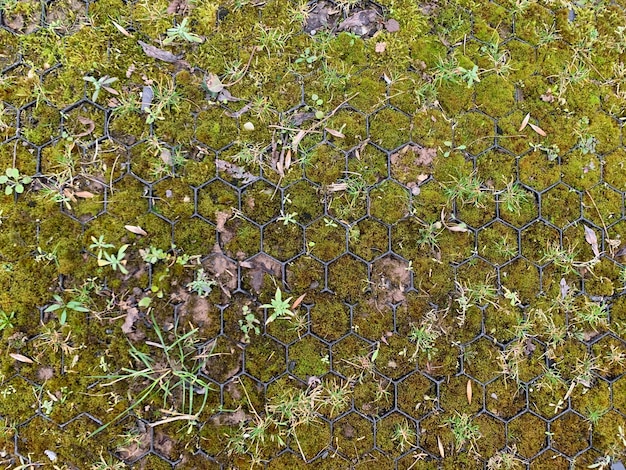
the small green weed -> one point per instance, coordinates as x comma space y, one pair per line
280, 308
464, 431
13, 181
169, 372
201, 285
60, 304
102, 83
181, 32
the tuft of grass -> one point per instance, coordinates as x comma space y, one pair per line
170, 373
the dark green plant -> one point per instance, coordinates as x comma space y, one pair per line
61, 305
6, 320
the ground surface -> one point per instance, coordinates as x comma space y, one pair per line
312, 235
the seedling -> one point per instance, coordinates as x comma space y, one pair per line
513, 197
13, 181
153, 255
201, 285
280, 308
404, 435
464, 431
287, 219
306, 57
60, 304
450, 148
182, 32
115, 260
249, 324
101, 83
6, 320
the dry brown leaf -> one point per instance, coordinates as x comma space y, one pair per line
213, 83
166, 156
132, 315
84, 194
334, 133
221, 217
122, 30
89, 123
392, 25
458, 228
296, 140
524, 123
160, 54
590, 237
147, 95
136, 230
288, 159
538, 130
21, 358
298, 301
441, 451
469, 391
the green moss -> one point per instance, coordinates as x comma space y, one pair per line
326, 239
282, 241
260, 202
371, 320
325, 165
330, 318
527, 432
389, 202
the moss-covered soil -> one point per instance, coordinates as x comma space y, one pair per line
288, 234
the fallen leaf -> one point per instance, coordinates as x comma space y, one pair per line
458, 228
160, 54
621, 252
469, 391
524, 123
298, 301
84, 194
146, 97
136, 230
237, 114
132, 315
538, 130
213, 83
221, 217
21, 358
441, 451
362, 23
564, 288
548, 97
177, 6
392, 25
89, 123
296, 140
590, 237
334, 133
122, 30
380, 47
166, 156
288, 159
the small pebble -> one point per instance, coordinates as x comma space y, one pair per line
51, 455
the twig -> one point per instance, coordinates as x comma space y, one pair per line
245, 70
